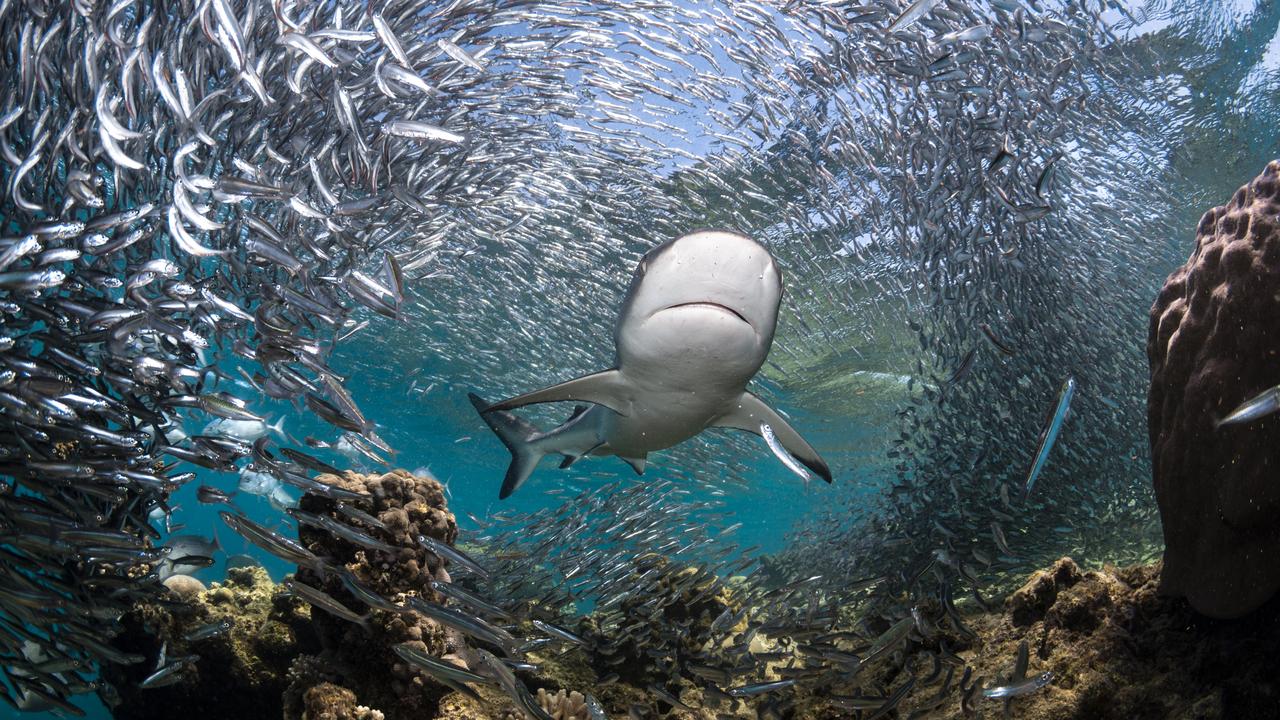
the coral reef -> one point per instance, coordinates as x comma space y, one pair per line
1214, 342
562, 706
327, 701
681, 596
1117, 648
252, 656
359, 658
185, 586
286, 658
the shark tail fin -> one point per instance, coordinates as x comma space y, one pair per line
520, 438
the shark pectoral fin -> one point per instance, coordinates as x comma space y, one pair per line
636, 463
605, 388
750, 411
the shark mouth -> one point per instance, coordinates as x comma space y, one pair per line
716, 306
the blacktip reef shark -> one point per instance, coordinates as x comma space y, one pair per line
696, 325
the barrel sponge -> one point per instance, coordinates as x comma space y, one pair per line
1214, 342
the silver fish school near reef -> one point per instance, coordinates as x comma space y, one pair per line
255, 254
696, 325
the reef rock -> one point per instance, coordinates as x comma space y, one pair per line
359, 658
240, 672
184, 585
1214, 342
1118, 648
1032, 601
327, 701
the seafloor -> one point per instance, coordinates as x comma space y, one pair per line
1115, 646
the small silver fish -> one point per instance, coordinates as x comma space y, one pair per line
913, 12
420, 131
213, 629
760, 688
1258, 406
771, 439
1020, 688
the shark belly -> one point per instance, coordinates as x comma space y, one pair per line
661, 419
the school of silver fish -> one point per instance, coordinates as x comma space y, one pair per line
205, 201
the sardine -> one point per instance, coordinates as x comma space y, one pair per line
1020, 688
1260, 405
1050, 434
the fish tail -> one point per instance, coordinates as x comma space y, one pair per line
278, 428
519, 436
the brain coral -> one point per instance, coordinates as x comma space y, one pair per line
1214, 342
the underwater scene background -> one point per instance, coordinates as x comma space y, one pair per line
348, 216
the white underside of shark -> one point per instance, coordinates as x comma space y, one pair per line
697, 324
